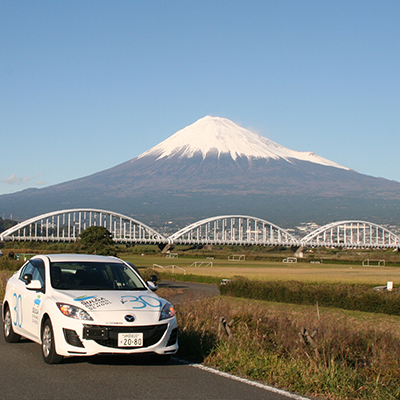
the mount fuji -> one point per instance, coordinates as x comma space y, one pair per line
215, 167
213, 135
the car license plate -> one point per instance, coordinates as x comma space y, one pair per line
130, 339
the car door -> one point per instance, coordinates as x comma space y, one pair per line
16, 300
27, 301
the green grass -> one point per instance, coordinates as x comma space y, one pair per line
350, 297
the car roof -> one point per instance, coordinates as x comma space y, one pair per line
79, 258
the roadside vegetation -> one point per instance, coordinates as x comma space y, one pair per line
7, 268
347, 297
329, 354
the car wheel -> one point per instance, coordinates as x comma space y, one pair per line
160, 358
48, 347
9, 335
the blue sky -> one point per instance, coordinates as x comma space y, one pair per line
88, 85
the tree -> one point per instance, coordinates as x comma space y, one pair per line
6, 223
97, 240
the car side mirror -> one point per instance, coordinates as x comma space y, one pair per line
154, 278
34, 285
152, 286
27, 278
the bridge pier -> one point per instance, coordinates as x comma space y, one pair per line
165, 247
299, 251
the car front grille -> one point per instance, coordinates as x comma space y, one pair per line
108, 335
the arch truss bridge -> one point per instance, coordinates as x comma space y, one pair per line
234, 230
66, 226
356, 234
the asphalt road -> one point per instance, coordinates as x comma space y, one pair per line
24, 375
189, 291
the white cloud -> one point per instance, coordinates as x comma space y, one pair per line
18, 180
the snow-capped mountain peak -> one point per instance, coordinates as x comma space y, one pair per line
222, 136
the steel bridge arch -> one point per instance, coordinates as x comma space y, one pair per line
234, 230
357, 234
66, 226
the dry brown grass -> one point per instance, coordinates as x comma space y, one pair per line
269, 270
356, 354
4, 275
329, 274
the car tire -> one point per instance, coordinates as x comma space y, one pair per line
48, 346
160, 358
9, 335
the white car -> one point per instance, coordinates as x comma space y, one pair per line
82, 305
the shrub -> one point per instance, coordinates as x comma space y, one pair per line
10, 265
349, 297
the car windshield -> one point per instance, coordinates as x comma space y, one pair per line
94, 276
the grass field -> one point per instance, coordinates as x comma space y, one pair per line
267, 270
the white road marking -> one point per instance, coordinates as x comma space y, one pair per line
246, 381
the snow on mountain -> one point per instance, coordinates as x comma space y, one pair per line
222, 136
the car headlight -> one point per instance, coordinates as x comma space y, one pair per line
167, 311
74, 312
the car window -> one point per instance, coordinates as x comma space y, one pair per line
38, 274
28, 269
35, 269
94, 276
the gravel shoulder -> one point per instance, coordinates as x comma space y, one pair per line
178, 292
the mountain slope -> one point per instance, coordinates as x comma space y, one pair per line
215, 167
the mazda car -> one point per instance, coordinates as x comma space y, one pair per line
83, 305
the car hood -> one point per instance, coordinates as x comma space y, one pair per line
111, 306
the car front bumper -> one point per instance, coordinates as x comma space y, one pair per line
86, 339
